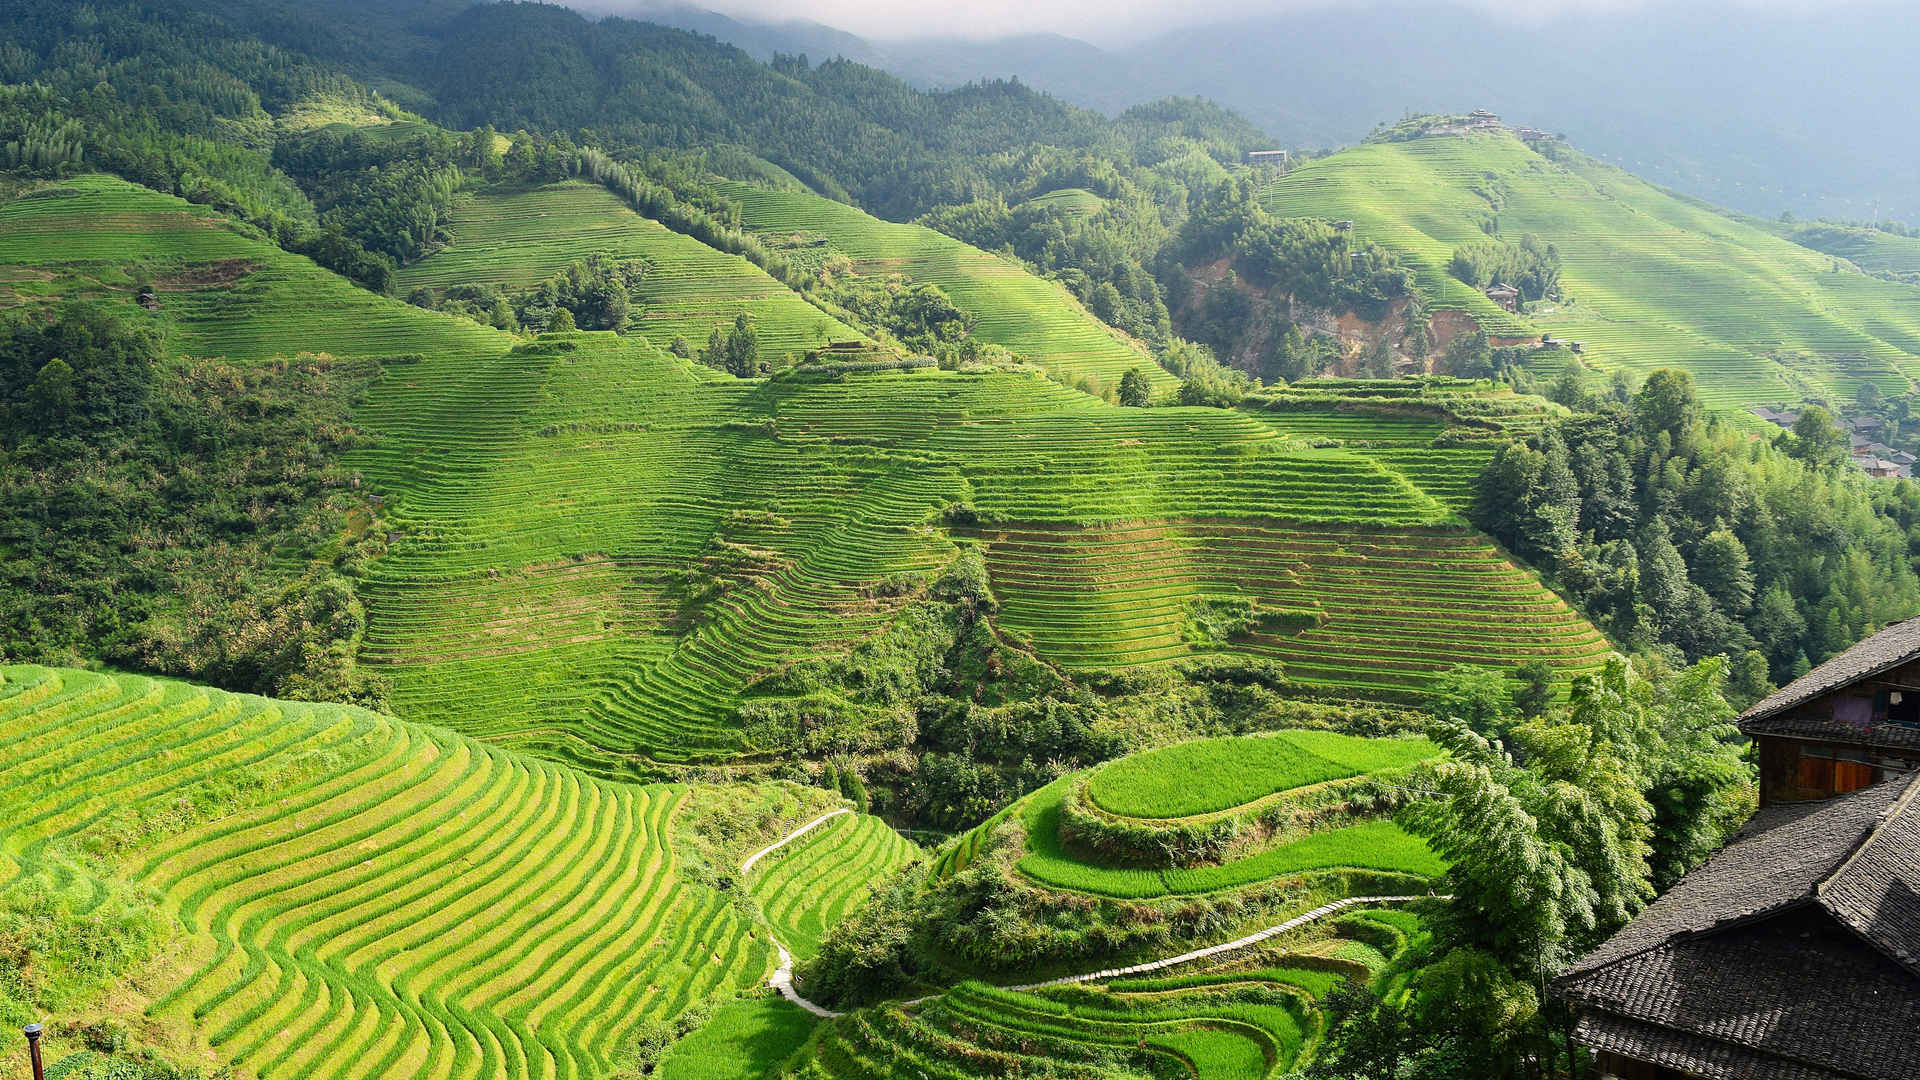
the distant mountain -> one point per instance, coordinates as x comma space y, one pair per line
1758, 111
929, 63
761, 39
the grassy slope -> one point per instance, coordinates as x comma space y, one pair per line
515, 239
594, 548
1206, 776
1226, 775
1032, 317
222, 292
745, 1040
1657, 280
364, 897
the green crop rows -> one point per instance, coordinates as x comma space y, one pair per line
593, 548
1401, 604
390, 899
1032, 317
1208, 775
1233, 1017
221, 293
745, 1040
1657, 280
1368, 845
810, 884
1240, 1033
515, 239
1071, 202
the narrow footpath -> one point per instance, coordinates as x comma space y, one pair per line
782, 979
1296, 922
783, 975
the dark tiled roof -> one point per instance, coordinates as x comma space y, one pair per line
1797, 946
1890, 647
1798, 988
1776, 861
1880, 736
1876, 893
1694, 1055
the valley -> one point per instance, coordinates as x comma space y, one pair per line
541, 547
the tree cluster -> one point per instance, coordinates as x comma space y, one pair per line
1531, 266
185, 518
1559, 826
1675, 531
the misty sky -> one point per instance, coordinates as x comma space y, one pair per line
1114, 21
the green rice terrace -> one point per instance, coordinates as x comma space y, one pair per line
515, 239
321, 891
1655, 279
1217, 814
593, 548
1247, 1015
220, 290
810, 883
316, 890
1291, 823
1033, 318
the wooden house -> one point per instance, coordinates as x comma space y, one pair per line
1792, 954
1506, 296
1847, 724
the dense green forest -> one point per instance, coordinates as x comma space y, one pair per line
1677, 530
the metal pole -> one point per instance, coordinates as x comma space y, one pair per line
33, 1051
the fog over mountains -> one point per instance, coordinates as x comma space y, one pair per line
1758, 109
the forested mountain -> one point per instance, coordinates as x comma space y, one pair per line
637, 480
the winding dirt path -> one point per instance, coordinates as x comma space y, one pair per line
1255, 938
783, 975
782, 979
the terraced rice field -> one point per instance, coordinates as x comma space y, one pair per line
1869, 249
1401, 605
554, 503
514, 239
745, 1040
1030, 316
221, 293
380, 899
1238, 1033
1235, 1016
1070, 202
1225, 777
1206, 776
808, 885
1657, 280
594, 548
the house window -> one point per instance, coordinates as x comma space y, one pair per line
1821, 774
1816, 774
1851, 776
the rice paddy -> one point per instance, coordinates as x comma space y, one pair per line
515, 239
808, 885
1245, 1016
1031, 317
1656, 280
1241, 776
364, 897
1209, 775
593, 548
